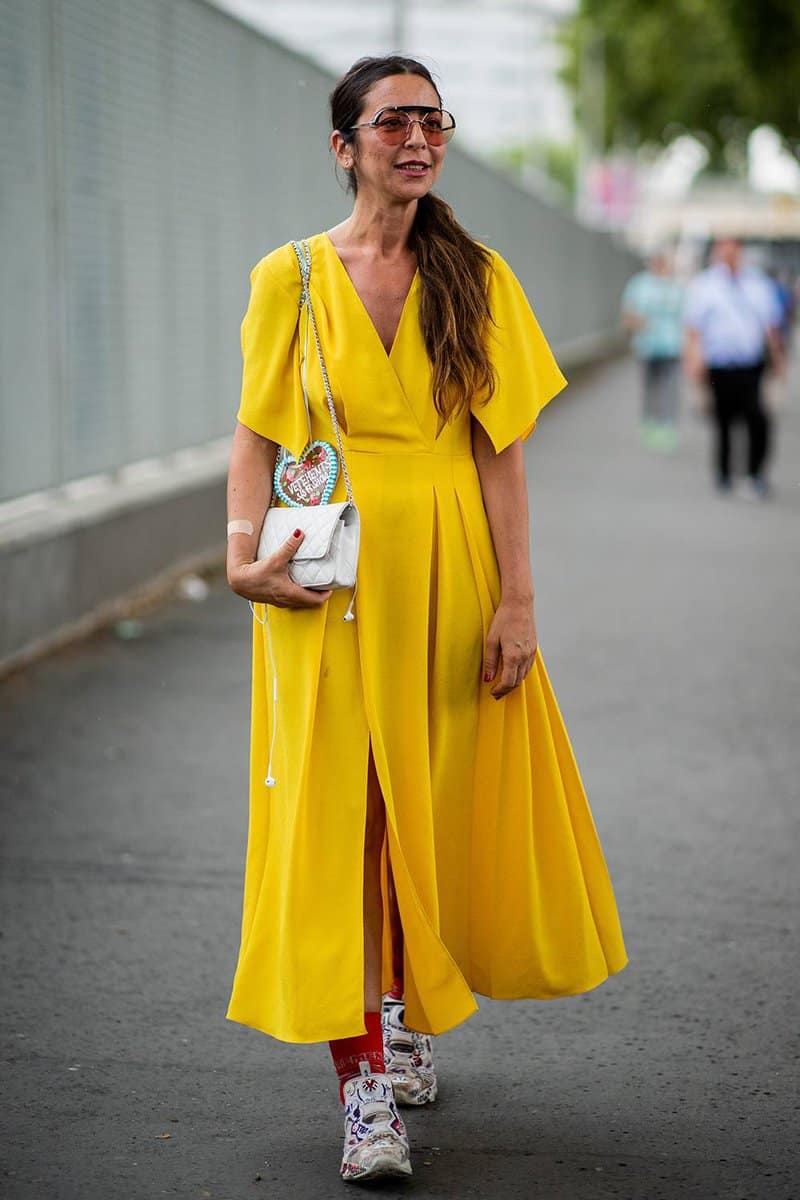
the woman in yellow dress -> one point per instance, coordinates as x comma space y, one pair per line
428, 835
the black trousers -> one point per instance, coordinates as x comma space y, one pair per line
737, 399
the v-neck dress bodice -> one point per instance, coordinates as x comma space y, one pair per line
408, 300
499, 874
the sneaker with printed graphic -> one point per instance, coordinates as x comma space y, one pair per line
409, 1057
375, 1138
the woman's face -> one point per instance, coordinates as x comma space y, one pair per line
400, 173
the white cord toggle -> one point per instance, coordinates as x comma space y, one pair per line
350, 615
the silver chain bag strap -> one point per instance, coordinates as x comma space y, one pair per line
328, 556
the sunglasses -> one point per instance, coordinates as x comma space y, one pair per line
393, 125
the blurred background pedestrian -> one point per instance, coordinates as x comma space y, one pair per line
652, 308
732, 324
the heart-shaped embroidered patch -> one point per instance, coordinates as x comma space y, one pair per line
309, 479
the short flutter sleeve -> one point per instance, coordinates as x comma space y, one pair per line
272, 396
526, 374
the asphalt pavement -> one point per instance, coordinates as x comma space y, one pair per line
668, 617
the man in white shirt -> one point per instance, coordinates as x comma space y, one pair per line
731, 325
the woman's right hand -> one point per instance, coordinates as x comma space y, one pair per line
267, 581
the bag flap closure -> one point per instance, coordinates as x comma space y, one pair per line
317, 523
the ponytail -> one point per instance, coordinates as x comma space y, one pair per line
454, 310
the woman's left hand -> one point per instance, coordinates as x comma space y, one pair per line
510, 646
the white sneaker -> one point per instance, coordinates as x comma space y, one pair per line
375, 1138
409, 1057
754, 489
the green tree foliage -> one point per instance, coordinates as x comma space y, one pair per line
715, 68
558, 161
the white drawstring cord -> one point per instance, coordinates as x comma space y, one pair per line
270, 780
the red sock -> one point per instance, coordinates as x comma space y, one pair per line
347, 1053
396, 990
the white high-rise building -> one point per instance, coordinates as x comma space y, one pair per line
496, 60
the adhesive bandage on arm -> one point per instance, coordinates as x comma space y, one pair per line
240, 527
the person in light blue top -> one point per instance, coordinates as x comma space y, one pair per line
652, 307
732, 324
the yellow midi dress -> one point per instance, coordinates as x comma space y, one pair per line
500, 879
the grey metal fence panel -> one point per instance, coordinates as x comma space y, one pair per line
94, 367
29, 386
151, 154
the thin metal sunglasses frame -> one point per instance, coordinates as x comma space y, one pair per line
446, 132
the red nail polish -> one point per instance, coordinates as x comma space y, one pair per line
487, 677
297, 533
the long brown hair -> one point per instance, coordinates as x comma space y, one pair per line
453, 267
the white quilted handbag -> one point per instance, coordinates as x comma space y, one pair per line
328, 556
